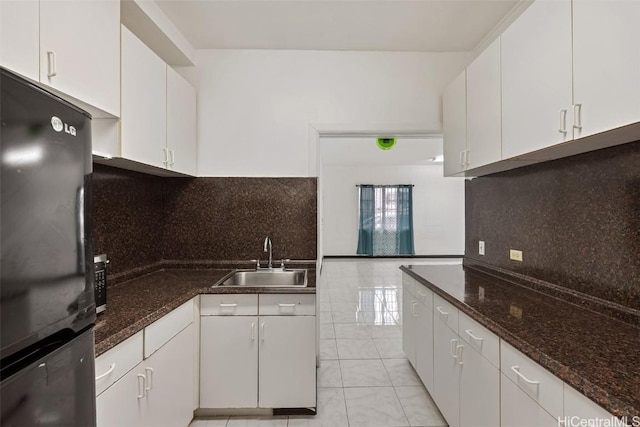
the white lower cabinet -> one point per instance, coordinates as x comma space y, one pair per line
409, 319
266, 360
229, 371
424, 343
518, 409
154, 393
479, 390
446, 390
287, 362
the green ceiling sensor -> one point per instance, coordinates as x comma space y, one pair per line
386, 143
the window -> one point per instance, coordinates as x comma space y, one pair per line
385, 220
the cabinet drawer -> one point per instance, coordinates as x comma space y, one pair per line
408, 285
115, 363
445, 312
541, 385
287, 304
424, 295
480, 338
229, 305
161, 331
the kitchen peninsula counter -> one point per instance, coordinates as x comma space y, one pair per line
134, 304
596, 353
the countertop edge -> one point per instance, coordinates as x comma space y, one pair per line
109, 342
564, 373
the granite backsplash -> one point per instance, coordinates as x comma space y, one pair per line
577, 221
142, 219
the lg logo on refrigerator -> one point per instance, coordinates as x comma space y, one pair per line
58, 125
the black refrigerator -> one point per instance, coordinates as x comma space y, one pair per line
47, 306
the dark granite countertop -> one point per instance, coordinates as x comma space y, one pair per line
134, 304
596, 354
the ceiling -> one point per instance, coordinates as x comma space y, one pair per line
366, 25
364, 151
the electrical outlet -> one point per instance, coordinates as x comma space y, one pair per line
515, 311
481, 247
515, 255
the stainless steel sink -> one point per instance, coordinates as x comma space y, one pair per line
277, 278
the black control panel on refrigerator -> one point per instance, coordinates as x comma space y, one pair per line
100, 262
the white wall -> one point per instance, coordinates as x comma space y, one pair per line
438, 207
255, 106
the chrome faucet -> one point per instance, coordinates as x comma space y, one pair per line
268, 247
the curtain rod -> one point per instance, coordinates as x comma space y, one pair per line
389, 185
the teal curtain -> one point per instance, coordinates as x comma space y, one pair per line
367, 220
405, 221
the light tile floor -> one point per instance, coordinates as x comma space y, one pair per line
364, 379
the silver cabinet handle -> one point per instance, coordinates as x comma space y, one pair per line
253, 331
562, 128
462, 158
441, 311
149, 372
468, 331
165, 150
422, 294
141, 389
111, 368
235, 304
577, 116
172, 157
286, 305
413, 308
516, 369
454, 350
466, 157
459, 349
51, 64
262, 328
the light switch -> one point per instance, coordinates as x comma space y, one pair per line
515, 255
481, 247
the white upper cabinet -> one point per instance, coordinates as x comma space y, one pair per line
454, 125
606, 65
72, 47
484, 108
80, 50
19, 37
181, 123
143, 132
537, 79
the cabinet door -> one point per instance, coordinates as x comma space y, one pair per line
484, 108
143, 132
229, 362
479, 390
517, 409
537, 79
287, 362
409, 314
577, 404
446, 390
80, 50
424, 344
19, 37
181, 123
170, 382
606, 64
120, 405
454, 125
